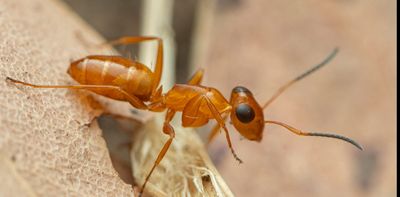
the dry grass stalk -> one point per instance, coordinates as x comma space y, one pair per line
186, 170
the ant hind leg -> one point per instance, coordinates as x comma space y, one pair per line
133, 100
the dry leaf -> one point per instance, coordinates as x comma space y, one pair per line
47, 147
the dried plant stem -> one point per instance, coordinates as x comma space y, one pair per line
186, 170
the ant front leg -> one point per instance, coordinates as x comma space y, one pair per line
169, 130
221, 123
215, 130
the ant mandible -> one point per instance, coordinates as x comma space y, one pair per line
124, 79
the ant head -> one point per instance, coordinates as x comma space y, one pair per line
247, 115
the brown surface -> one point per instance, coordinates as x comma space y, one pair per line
47, 147
261, 45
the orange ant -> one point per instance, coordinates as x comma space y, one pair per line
124, 79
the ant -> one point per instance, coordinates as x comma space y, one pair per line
124, 79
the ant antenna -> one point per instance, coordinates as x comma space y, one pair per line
308, 72
303, 133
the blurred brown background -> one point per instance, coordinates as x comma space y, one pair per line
262, 44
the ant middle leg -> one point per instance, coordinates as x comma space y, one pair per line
196, 78
169, 130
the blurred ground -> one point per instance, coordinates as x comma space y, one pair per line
261, 45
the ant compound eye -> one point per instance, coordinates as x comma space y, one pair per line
244, 113
238, 89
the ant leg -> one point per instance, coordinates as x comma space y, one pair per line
221, 123
169, 130
128, 40
196, 78
156, 101
133, 100
215, 130
160, 53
